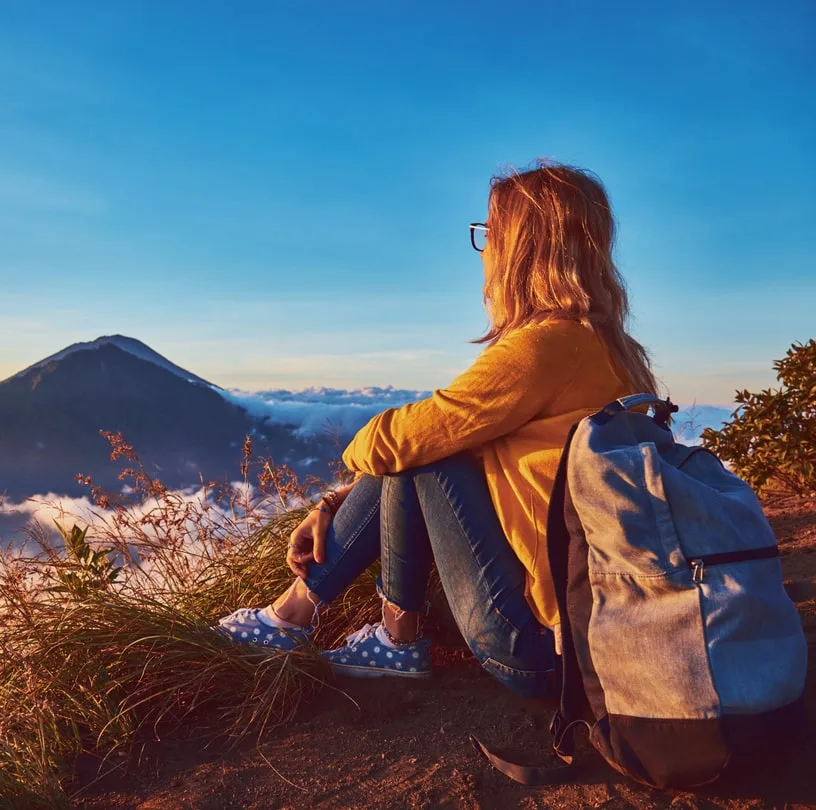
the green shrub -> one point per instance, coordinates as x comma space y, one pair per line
770, 440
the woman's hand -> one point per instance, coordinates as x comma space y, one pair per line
307, 543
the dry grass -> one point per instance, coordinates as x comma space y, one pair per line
106, 638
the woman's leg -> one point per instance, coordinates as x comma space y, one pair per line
393, 647
482, 578
406, 557
352, 542
352, 545
375, 509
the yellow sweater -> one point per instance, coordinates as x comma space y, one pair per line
513, 407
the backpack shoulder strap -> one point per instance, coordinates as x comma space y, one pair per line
538, 774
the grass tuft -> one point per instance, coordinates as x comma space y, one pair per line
106, 640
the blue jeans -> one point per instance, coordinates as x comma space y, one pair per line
443, 513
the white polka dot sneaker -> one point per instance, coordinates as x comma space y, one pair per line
246, 627
366, 654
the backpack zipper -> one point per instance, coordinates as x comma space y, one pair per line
698, 564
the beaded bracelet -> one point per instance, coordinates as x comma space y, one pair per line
333, 501
397, 642
325, 509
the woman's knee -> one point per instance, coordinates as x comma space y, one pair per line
462, 473
523, 661
462, 463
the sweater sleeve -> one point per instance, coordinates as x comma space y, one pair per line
504, 389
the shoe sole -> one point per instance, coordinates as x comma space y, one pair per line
373, 672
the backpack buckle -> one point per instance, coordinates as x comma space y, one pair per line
663, 411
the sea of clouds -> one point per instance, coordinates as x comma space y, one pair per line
314, 411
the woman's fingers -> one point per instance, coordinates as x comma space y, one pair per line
307, 543
299, 551
294, 565
298, 565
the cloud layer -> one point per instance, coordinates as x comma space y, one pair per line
316, 411
36, 516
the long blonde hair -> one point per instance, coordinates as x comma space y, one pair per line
550, 239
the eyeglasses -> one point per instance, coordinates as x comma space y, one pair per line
478, 235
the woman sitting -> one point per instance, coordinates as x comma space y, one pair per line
463, 479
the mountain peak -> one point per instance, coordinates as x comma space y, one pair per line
184, 429
126, 344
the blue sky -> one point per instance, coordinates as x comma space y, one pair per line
277, 194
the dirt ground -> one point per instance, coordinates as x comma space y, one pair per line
406, 745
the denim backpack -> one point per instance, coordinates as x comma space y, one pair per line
678, 638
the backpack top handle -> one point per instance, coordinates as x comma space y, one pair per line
663, 408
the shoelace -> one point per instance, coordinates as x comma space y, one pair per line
360, 635
242, 614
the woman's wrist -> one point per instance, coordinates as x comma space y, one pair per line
333, 499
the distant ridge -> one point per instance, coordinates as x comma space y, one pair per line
126, 344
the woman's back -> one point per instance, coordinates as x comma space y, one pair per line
576, 378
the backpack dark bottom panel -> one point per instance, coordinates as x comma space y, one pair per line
687, 753
662, 753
